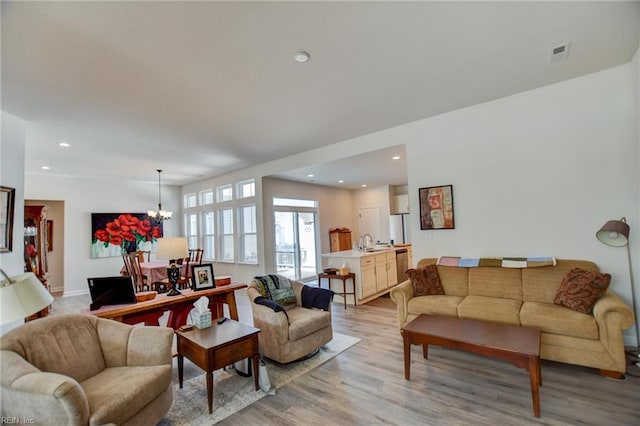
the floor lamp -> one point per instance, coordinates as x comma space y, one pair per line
616, 233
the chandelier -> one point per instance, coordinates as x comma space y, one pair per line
159, 214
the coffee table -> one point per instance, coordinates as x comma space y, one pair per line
517, 345
217, 346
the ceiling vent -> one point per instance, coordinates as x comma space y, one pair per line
560, 53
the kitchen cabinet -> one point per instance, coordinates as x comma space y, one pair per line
386, 271
376, 271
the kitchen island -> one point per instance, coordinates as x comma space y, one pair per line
376, 271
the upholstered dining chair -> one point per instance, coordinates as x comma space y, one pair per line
77, 369
291, 335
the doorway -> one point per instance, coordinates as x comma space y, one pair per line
295, 243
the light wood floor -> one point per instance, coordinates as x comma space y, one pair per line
365, 385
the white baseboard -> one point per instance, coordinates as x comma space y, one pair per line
75, 293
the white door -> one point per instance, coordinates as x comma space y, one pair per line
369, 222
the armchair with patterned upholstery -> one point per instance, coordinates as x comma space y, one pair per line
77, 369
291, 334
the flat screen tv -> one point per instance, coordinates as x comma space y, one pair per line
111, 291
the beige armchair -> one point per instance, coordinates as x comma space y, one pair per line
81, 370
285, 340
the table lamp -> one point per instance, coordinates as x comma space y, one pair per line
21, 296
615, 233
173, 249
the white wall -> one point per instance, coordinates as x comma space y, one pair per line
373, 197
85, 196
12, 175
537, 173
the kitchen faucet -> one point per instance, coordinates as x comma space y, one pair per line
365, 241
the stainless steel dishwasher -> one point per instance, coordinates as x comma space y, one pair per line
402, 262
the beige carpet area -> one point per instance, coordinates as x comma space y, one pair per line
233, 392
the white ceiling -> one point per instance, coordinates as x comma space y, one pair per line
203, 88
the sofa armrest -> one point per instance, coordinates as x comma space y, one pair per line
613, 316
150, 346
29, 393
401, 294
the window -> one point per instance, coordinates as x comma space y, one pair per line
226, 239
247, 188
209, 234
224, 193
248, 234
191, 229
206, 197
291, 202
190, 200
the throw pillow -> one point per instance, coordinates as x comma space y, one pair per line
425, 281
581, 289
276, 288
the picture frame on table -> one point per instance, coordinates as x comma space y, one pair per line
436, 207
7, 204
202, 277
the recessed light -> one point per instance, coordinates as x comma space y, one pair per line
364, 185
340, 181
310, 175
395, 157
64, 144
45, 168
302, 57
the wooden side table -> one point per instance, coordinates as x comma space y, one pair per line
217, 346
344, 278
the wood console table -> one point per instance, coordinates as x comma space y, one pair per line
150, 311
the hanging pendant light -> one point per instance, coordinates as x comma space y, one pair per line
159, 214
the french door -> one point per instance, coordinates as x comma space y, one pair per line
295, 243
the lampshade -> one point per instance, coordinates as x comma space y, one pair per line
21, 296
614, 233
172, 248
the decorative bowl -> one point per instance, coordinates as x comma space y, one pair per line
146, 295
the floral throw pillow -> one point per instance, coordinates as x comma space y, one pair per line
581, 289
425, 281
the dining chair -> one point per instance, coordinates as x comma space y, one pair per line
132, 264
195, 255
185, 273
141, 255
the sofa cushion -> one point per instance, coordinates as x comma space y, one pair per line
541, 284
506, 311
550, 318
496, 282
304, 321
581, 289
135, 387
435, 305
425, 281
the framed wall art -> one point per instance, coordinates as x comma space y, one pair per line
202, 276
436, 207
7, 205
114, 234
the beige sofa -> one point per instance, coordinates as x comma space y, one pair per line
81, 370
525, 297
286, 338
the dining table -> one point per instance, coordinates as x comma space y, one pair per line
155, 270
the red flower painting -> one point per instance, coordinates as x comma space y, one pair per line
115, 234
